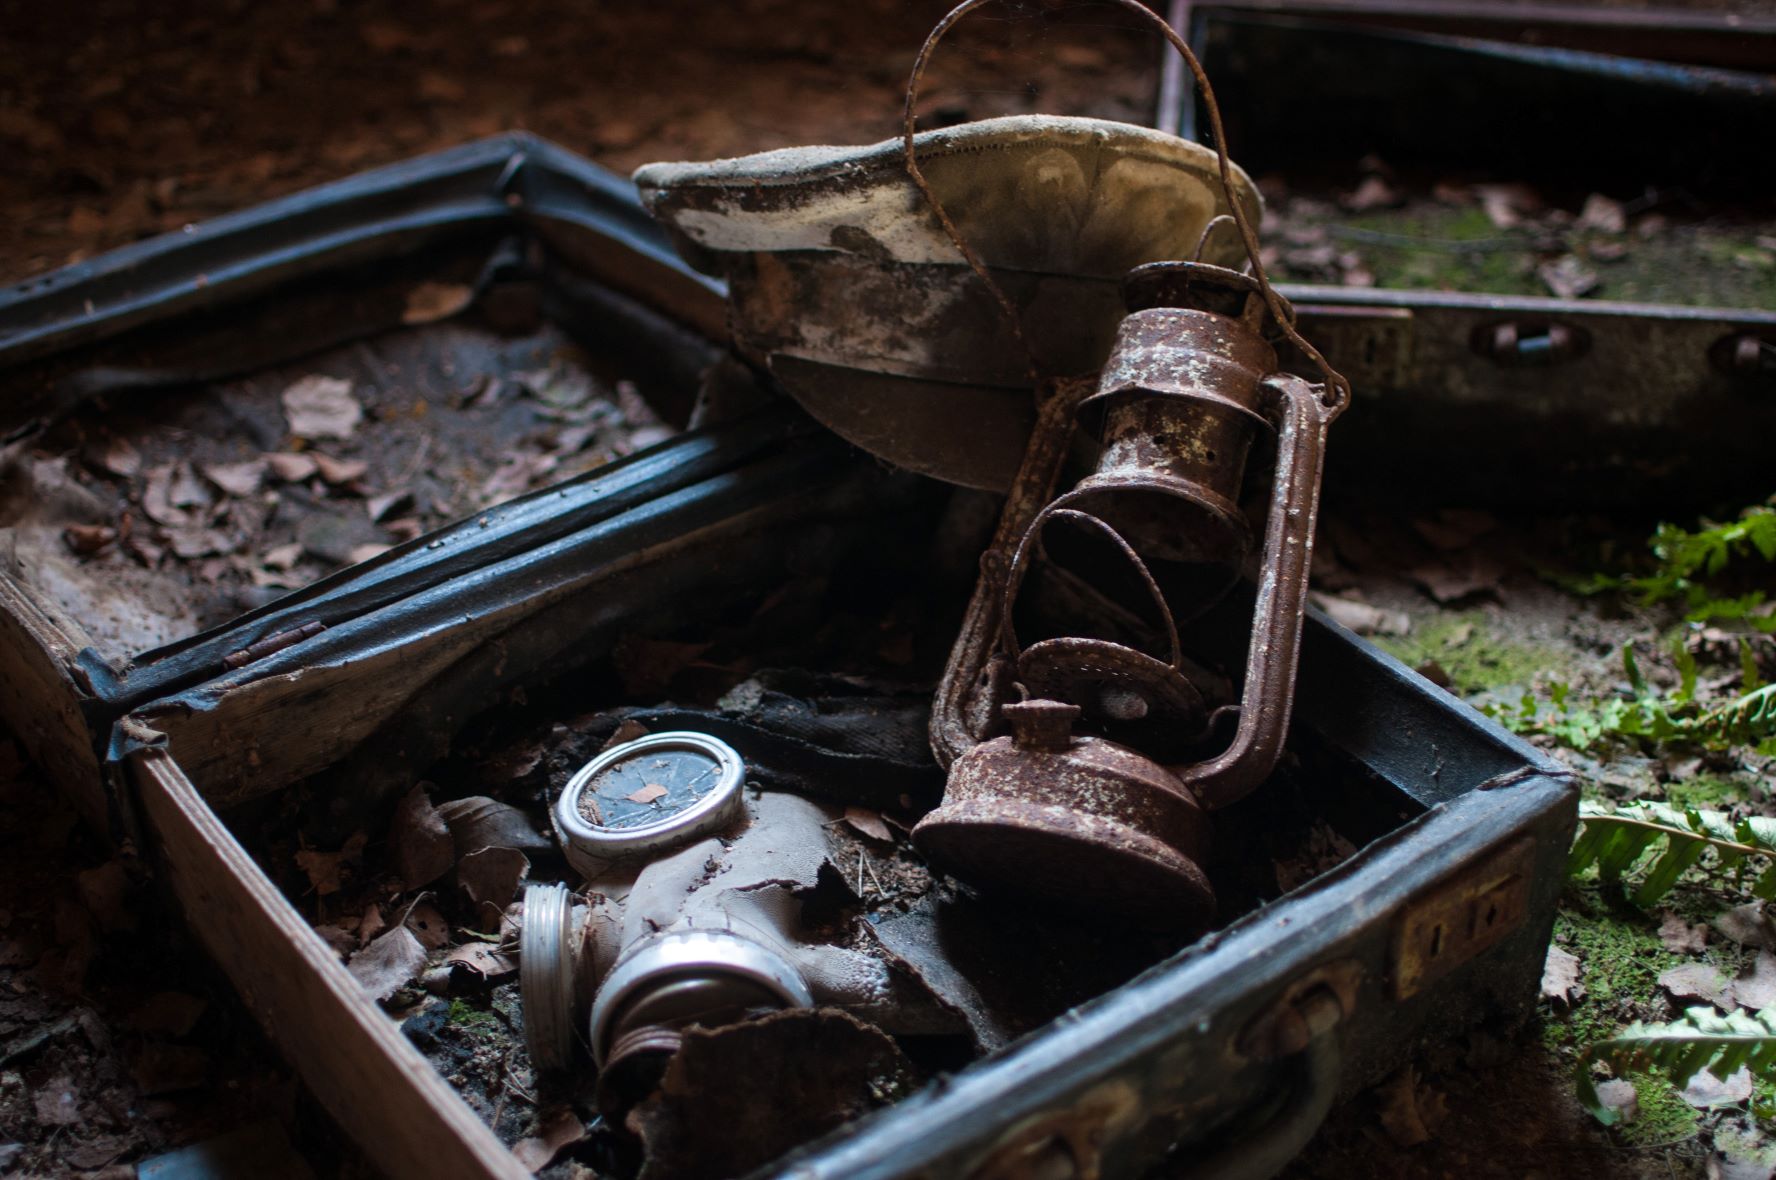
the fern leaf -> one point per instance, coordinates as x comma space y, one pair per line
1616, 839
1701, 1039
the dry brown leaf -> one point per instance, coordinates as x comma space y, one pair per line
1567, 277
869, 823
1561, 977
491, 878
478, 822
366, 551
484, 959
56, 1102
1363, 618
117, 456
290, 467
1748, 925
1698, 981
322, 407
557, 1131
158, 497
1755, 987
1620, 1096
647, 793
420, 847
371, 924
389, 963
428, 925
339, 471
1372, 193
1706, 1092
380, 506
1679, 937
429, 302
323, 868
237, 479
87, 539
1602, 214
282, 557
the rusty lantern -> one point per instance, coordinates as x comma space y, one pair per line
1118, 825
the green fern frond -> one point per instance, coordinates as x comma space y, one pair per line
1701, 1039
1615, 839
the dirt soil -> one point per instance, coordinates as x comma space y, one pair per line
120, 126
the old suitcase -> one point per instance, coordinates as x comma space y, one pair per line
167, 728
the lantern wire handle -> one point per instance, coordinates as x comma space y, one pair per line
1337, 389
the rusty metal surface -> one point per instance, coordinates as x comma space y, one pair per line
1079, 822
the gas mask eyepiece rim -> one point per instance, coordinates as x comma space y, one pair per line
593, 849
679, 955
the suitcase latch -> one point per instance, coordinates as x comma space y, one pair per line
1457, 921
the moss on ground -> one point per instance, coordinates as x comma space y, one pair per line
1621, 959
1710, 790
1474, 655
465, 1015
1664, 1117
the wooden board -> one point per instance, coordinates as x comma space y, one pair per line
353, 1058
40, 700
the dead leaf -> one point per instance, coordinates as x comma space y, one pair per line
1458, 575
1602, 214
380, 506
1372, 193
1620, 1096
323, 868
1505, 204
371, 924
556, 1132
339, 471
1567, 276
1748, 925
88, 539
1698, 981
1706, 1092
1363, 618
1561, 977
479, 822
647, 793
166, 495
56, 1103
282, 557
491, 878
869, 823
237, 479
1755, 987
389, 963
420, 847
428, 925
430, 302
1410, 1110
366, 551
117, 456
628, 730
1679, 937
322, 407
484, 959
291, 468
